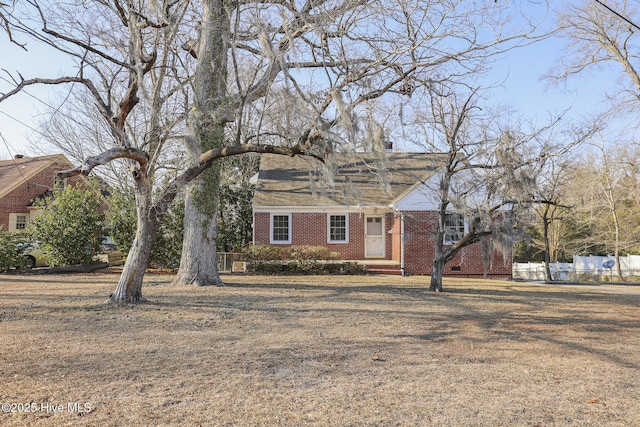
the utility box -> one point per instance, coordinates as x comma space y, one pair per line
239, 267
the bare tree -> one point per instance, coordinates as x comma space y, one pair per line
604, 33
604, 198
597, 38
551, 198
550, 201
329, 59
489, 176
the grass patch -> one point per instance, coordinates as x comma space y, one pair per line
319, 350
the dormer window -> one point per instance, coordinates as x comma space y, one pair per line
59, 183
21, 222
18, 221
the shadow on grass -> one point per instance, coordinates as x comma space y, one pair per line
508, 313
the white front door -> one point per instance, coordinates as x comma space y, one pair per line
374, 236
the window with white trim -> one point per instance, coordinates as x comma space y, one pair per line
18, 221
281, 228
21, 222
453, 227
338, 229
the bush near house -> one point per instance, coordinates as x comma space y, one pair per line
268, 259
70, 226
256, 253
295, 253
11, 253
313, 253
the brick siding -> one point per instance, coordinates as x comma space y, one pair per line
311, 229
420, 251
17, 200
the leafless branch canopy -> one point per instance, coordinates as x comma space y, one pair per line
319, 73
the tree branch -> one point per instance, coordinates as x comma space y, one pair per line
207, 158
102, 159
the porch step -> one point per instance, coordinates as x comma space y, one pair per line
393, 269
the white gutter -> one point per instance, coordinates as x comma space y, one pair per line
402, 243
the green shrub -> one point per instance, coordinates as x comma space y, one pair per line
270, 259
69, 226
264, 253
10, 253
305, 268
121, 218
295, 253
312, 253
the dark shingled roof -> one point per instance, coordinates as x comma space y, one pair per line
345, 179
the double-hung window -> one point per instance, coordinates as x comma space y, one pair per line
21, 222
453, 228
338, 229
59, 183
281, 228
18, 221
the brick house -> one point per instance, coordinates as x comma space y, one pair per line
377, 209
23, 180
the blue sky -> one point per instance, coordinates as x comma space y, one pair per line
18, 114
522, 68
526, 90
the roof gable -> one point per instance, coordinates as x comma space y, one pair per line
15, 172
345, 179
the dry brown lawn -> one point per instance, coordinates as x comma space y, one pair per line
326, 351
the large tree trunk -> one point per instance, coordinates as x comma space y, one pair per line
439, 259
437, 273
207, 123
129, 288
198, 264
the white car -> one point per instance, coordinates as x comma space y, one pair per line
34, 255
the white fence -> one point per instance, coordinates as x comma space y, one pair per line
594, 267
601, 265
535, 271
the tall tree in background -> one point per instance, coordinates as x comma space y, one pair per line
551, 201
549, 207
603, 194
603, 35
327, 61
488, 177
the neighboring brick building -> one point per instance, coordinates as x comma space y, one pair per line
24, 179
370, 208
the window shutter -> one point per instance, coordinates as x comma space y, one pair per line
12, 221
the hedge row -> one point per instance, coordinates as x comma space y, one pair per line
255, 253
268, 259
305, 267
